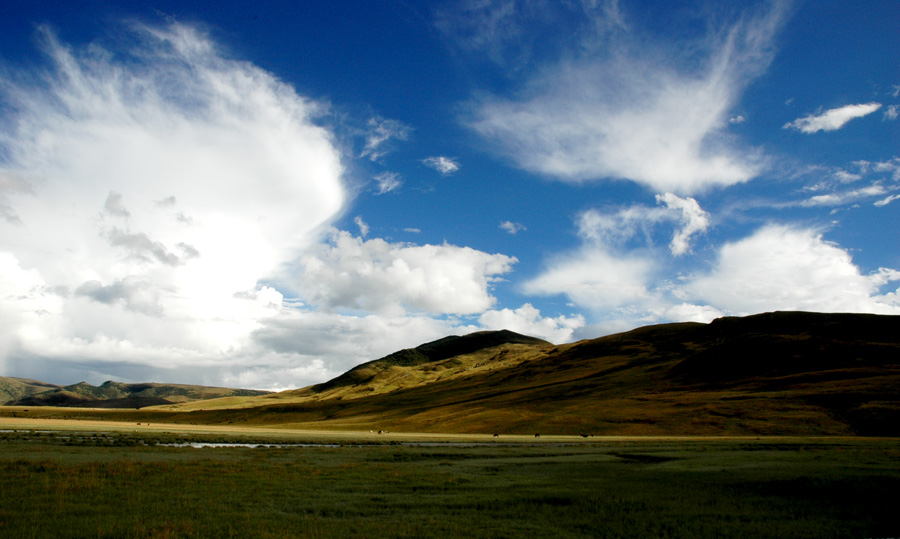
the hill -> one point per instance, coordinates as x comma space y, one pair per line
13, 389
23, 392
774, 373
374, 376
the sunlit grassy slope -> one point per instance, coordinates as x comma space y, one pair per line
773, 373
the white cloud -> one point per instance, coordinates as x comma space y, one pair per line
847, 177
833, 119
784, 268
737, 119
387, 182
389, 278
527, 320
693, 219
845, 197
688, 312
596, 279
835, 182
776, 268
512, 228
149, 192
362, 225
892, 112
887, 200
381, 131
616, 228
442, 164
608, 228
892, 166
633, 113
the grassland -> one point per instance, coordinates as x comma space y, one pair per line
120, 483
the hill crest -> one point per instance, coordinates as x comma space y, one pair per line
430, 352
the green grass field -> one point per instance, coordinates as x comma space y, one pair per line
71, 484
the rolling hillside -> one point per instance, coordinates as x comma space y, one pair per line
782, 373
22, 392
13, 389
773, 373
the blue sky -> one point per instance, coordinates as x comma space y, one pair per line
265, 196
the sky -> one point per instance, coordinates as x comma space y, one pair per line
264, 196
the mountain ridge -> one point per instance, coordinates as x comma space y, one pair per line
725, 377
110, 394
781, 373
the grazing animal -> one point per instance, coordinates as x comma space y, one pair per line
496, 435
537, 435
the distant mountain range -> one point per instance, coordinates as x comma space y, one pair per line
781, 373
25, 392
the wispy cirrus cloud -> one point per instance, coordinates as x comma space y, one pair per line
869, 180
442, 164
380, 132
511, 34
637, 113
387, 182
886, 200
832, 119
839, 198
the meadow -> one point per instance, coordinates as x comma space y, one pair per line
124, 484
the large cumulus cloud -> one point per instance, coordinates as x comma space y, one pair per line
378, 276
148, 190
